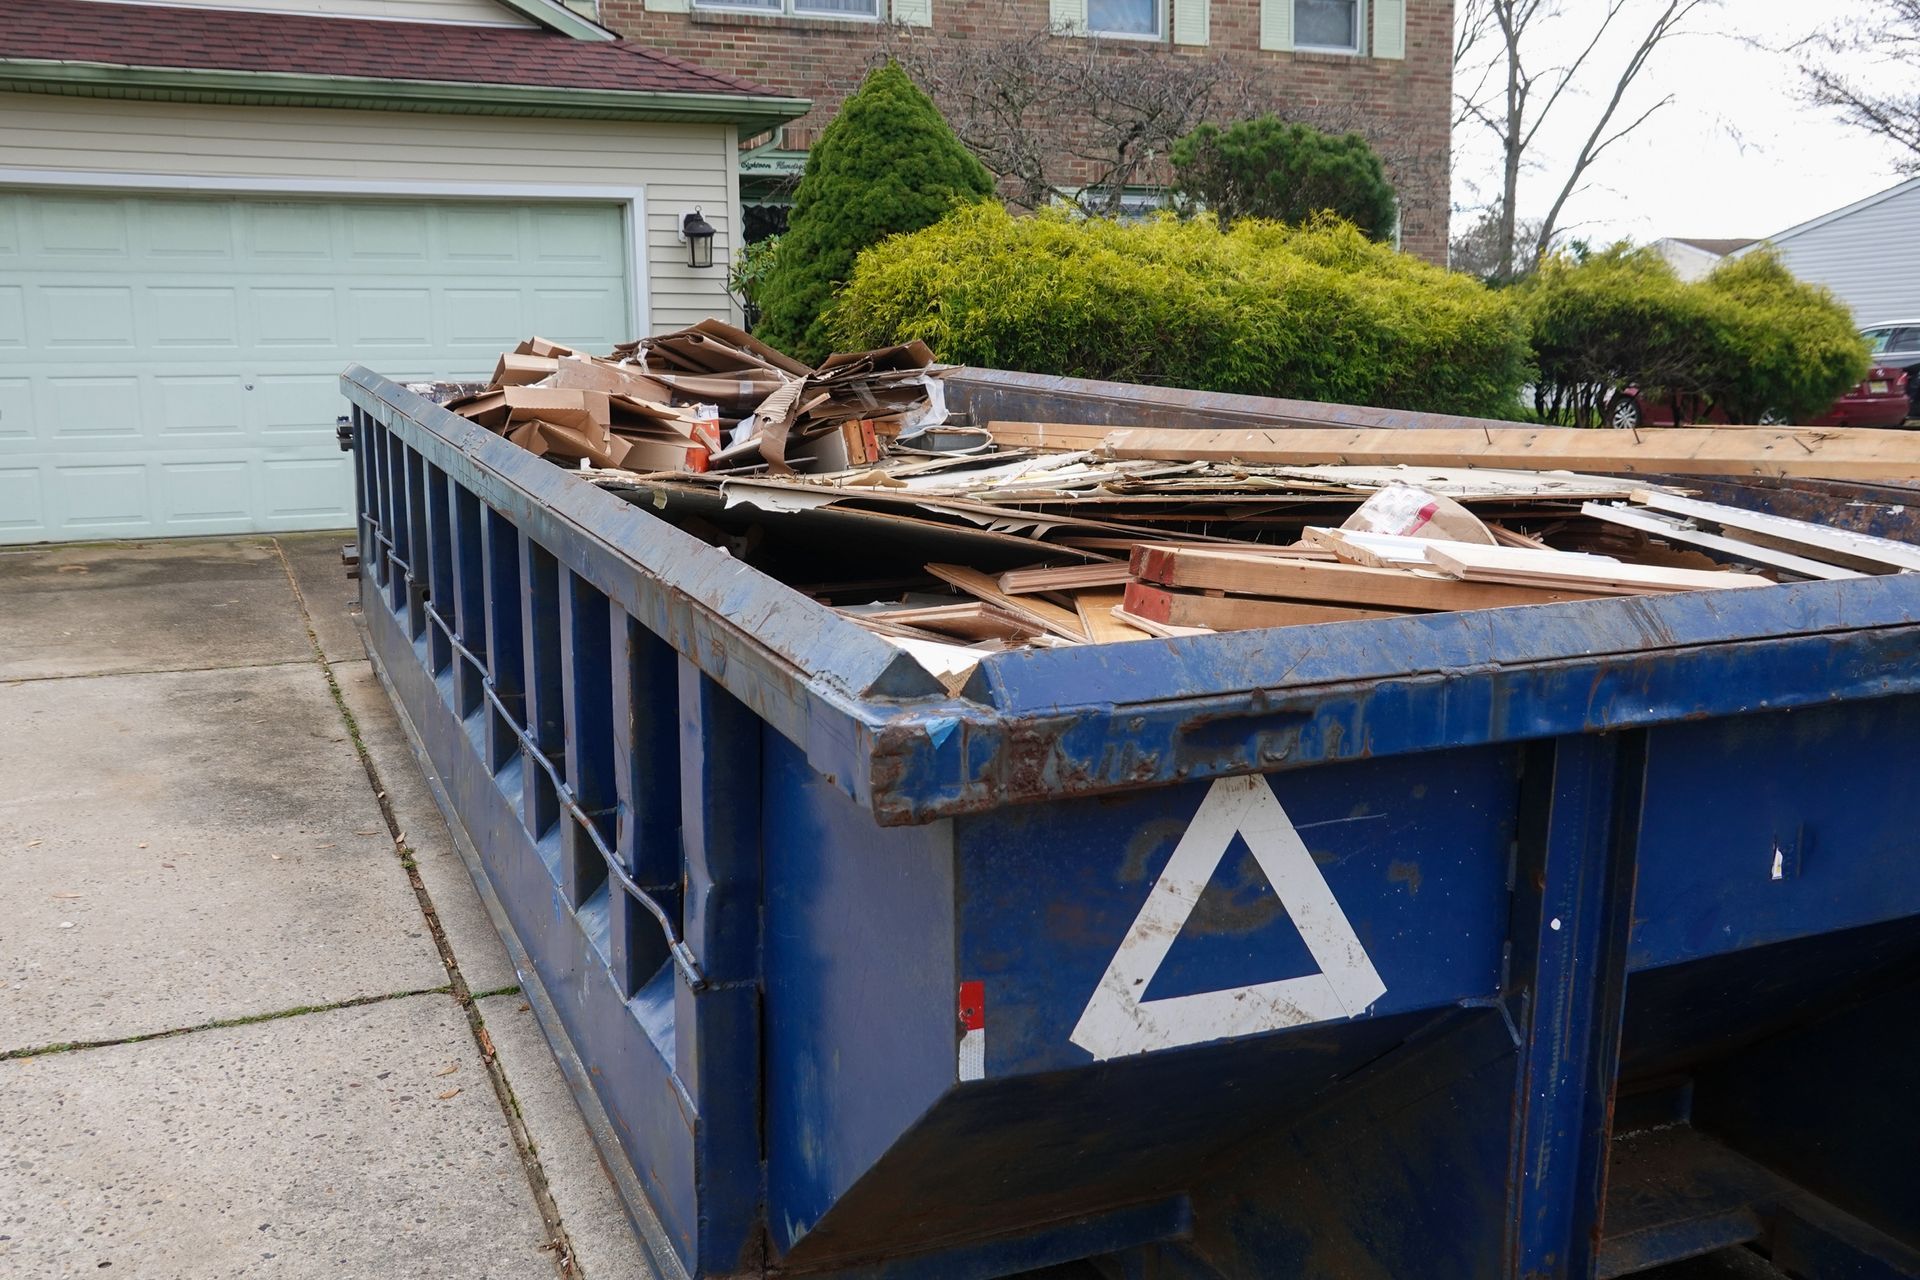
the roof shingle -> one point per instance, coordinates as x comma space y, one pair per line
136, 35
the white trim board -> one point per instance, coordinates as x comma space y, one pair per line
632, 199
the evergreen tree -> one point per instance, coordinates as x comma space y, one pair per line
1266, 168
887, 163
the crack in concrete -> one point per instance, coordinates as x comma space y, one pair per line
217, 1024
156, 671
558, 1244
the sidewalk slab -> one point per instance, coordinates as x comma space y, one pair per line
330, 595
157, 606
191, 846
317, 1145
463, 918
603, 1241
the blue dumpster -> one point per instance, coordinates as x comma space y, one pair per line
1572, 940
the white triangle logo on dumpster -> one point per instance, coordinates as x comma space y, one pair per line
1117, 1022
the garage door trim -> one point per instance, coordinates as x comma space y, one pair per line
632, 201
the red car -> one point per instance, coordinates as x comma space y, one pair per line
1879, 401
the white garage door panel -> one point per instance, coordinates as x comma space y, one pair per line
171, 365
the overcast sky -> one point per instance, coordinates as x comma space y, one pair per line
1736, 154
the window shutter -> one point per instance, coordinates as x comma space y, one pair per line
1276, 24
1190, 21
1389, 28
913, 13
1070, 14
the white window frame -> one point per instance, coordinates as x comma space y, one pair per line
1159, 35
789, 9
1357, 50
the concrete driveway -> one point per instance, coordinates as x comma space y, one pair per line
253, 1017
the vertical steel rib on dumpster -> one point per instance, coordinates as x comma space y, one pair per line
769, 878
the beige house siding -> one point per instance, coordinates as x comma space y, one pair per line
679, 166
467, 12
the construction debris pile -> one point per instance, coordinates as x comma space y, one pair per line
854, 484
706, 398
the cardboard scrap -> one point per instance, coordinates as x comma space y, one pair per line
572, 408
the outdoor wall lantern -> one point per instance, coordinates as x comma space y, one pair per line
698, 233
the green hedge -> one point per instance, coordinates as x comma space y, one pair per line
1314, 313
1750, 338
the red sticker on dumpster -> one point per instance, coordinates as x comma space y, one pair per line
973, 1006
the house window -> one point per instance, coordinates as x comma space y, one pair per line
1136, 18
801, 8
1328, 25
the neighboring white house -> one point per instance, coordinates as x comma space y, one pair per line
207, 212
1867, 253
1693, 260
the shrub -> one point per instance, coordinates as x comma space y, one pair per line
1611, 320
748, 275
1289, 173
1784, 346
1317, 313
1750, 339
886, 163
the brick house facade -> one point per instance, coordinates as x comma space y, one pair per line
1393, 82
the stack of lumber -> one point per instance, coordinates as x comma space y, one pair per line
1371, 578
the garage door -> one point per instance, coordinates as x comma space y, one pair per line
170, 365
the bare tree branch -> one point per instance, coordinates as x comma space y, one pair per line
1499, 47
1119, 106
1662, 28
1838, 64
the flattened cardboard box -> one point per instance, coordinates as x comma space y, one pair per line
562, 423
584, 373
516, 369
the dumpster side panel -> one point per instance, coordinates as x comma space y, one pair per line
1763, 828
658, 1138
1130, 924
861, 1018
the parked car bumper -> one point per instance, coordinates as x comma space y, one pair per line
1888, 410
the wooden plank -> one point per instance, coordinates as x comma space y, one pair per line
1063, 436
1512, 565
1514, 538
973, 621
1832, 453
1073, 577
1751, 553
1378, 550
1233, 613
1096, 615
1349, 584
1840, 546
1163, 630
1126, 546
1048, 617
